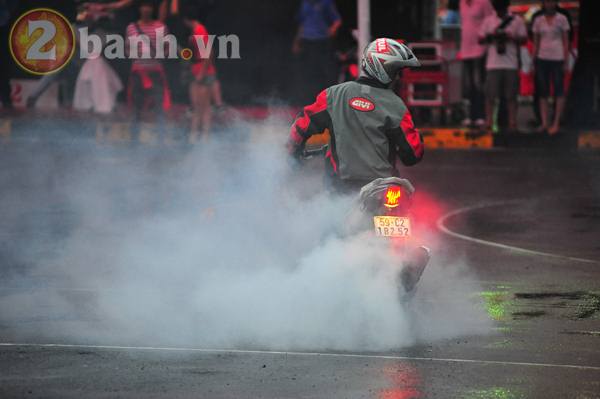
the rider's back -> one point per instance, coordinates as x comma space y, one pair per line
366, 121
369, 125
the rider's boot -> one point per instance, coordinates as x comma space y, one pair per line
413, 268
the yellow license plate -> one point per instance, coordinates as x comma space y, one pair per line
392, 226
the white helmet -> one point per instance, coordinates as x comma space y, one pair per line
383, 58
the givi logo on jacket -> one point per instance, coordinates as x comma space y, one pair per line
362, 104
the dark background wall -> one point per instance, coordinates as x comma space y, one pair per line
268, 70
583, 109
267, 29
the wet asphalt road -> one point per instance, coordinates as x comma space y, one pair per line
545, 306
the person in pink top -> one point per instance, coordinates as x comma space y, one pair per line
147, 81
551, 53
472, 14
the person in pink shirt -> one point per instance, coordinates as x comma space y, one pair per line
472, 14
148, 80
551, 53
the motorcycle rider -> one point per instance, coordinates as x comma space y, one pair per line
370, 127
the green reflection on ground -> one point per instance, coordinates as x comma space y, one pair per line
496, 303
499, 344
494, 393
589, 307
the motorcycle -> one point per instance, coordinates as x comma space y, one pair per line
383, 207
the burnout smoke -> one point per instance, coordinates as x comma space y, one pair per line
226, 246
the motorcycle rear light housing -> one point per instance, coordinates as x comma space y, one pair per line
393, 197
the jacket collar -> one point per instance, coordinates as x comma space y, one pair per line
365, 80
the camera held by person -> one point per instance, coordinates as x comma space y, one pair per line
499, 38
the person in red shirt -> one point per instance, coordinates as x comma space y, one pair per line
205, 77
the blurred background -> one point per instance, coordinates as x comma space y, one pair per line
280, 68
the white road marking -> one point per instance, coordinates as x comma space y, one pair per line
307, 354
442, 227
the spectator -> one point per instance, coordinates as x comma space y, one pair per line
66, 76
319, 23
560, 10
204, 72
97, 84
534, 17
116, 17
551, 50
452, 16
472, 14
148, 82
7, 7
503, 33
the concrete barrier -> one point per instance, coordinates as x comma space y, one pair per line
589, 140
444, 138
434, 138
5, 130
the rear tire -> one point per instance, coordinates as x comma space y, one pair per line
412, 271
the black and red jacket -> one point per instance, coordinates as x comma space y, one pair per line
370, 128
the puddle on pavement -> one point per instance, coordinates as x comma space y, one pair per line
588, 333
496, 303
494, 393
405, 382
528, 315
502, 305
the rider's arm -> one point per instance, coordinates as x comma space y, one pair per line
313, 119
408, 140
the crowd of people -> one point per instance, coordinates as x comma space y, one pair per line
491, 50
149, 81
492, 41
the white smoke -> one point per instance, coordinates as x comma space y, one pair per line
225, 246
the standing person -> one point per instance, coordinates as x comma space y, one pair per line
472, 14
148, 81
452, 16
503, 33
7, 7
319, 22
67, 76
534, 17
204, 72
551, 50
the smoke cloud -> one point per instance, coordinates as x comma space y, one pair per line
227, 245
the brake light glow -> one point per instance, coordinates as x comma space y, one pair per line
392, 197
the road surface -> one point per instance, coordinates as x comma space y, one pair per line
526, 223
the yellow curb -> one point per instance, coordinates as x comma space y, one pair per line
5, 130
456, 138
433, 139
589, 140
111, 132
148, 133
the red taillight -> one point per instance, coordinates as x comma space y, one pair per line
392, 197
